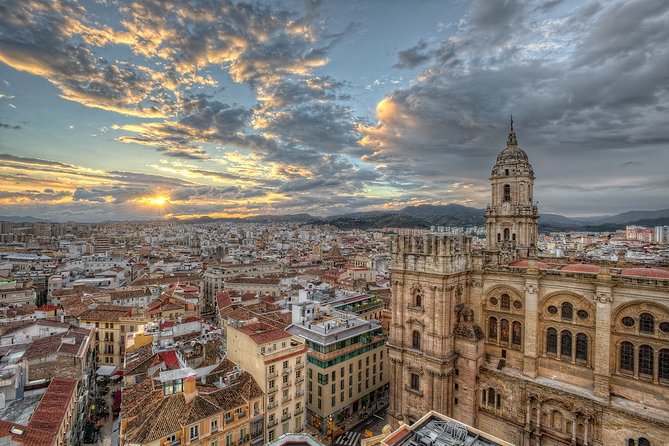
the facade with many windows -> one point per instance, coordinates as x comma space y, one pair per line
277, 359
541, 353
347, 365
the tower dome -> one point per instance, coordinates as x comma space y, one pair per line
512, 160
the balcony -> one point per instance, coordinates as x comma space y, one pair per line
299, 366
272, 405
273, 374
299, 410
229, 420
272, 423
299, 393
285, 399
287, 371
244, 439
241, 415
287, 383
299, 379
285, 416
257, 434
272, 390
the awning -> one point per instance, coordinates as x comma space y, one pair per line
106, 370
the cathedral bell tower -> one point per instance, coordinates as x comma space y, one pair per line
512, 217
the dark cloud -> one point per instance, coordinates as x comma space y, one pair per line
591, 97
9, 126
414, 56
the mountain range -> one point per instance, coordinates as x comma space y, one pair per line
427, 215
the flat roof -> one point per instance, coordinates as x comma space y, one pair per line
435, 429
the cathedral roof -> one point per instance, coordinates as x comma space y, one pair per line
581, 268
657, 273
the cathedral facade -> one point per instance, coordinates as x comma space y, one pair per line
533, 352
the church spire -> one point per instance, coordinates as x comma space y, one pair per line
511, 141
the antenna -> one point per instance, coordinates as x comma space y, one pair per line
512, 122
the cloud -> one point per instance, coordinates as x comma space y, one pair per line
414, 56
588, 90
9, 126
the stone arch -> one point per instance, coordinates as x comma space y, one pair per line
498, 290
578, 302
657, 309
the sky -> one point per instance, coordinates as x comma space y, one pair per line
117, 110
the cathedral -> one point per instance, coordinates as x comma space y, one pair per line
532, 351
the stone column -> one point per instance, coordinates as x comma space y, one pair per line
538, 438
530, 347
603, 299
574, 423
585, 431
429, 394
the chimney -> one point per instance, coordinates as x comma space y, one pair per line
190, 389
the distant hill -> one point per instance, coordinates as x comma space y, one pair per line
448, 215
16, 219
426, 215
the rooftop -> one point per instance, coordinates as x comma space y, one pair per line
435, 429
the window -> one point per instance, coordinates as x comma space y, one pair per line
645, 360
507, 192
646, 323
627, 357
194, 432
565, 348
285, 364
516, 333
415, 340
663, 364
504, 331
644, 442
415, 382
581, 347
214, 425
631, 442
271, 369
418, 301
172, 438
506, 302
567, 311
492, 329
506, 234
491, 397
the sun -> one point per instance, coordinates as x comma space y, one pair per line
158, 200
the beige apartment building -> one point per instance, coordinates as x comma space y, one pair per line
277, 359
112, 323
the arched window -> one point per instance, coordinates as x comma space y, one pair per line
499, 237
507, 192
415, 340
491, 396
646, 323
565, 347
581, 347
663, 364
484, 399
504, 331
506, 234
557, 420
627, 357
643, 441
516, 333
645, 360
506, 302
513, 237
551, 341
418, 301
492, 329
631, 442
567, 311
